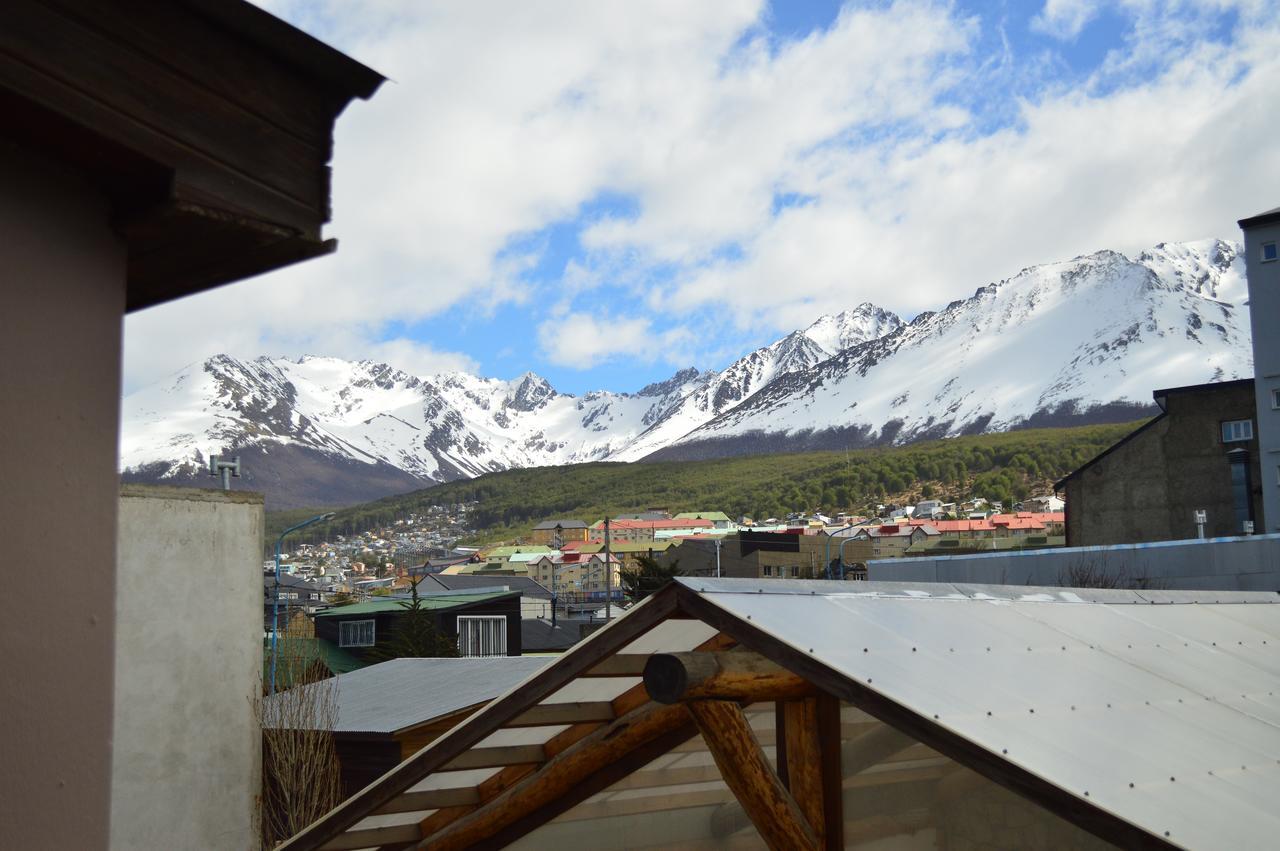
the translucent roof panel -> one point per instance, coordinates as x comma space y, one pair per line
1163, 714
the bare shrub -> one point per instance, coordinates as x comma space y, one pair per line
1092, 572
300, 771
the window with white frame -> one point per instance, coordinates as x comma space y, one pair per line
356, 633
1234, 431
482, 635
1269, 252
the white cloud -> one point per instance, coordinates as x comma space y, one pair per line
503, 118
587, 341
1065, 19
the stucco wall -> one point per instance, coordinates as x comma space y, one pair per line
1264, 309
1149, 487
188, 663
62, 293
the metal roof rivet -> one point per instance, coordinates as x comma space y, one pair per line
748, 617
1147, 702
1073, 709
1086, 794
1130, 785
1004, 750
1108, 705
988, 649
1166, 833
1171, 780
868, 679
935, 717
1032, 711
810, 649
864, 650
913, 650
989, 713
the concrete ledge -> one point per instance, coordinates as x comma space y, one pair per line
190, 494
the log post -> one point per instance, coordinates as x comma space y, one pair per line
802, 756
734, 675
748, 774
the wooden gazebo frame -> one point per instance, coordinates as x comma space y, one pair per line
668, 699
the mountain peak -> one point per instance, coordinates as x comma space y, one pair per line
848, 328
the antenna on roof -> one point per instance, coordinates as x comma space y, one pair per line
226, 468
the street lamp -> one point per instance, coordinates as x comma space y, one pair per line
275, 595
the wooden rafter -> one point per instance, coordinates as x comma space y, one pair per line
610, 744
734, 675
747, 772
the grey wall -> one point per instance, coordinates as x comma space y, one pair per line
188, 659
1215, 564
1264, 310
1149, 487
62, 293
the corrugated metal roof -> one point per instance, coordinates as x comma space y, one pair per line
393, 695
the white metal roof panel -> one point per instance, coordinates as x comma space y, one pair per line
1163, 713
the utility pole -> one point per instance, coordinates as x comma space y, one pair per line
275, 595
719, 541
608, 574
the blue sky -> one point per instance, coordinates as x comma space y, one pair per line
603, 193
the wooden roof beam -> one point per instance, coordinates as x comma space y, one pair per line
747, 772
736, 675
566, 777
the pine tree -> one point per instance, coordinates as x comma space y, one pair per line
415, 634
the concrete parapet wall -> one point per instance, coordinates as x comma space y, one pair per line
187, 750
1217, 564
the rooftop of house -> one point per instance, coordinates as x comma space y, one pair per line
470, 582
551, 525
391, 696
435, 602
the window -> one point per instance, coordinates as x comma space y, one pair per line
1268, 252
482, 635
1234, 431
1275, 400
355, 633
795, 571
768, 570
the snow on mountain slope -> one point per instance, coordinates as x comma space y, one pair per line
1085, 340
796, 352
1060, 343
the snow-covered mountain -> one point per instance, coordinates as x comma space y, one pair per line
384, 431
1081, 341
1086, 340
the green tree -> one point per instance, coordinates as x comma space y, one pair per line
341, 598
648, 577
415, 634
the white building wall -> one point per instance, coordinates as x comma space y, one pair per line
187, 746
1264, 313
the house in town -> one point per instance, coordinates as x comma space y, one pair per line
535, 598
556, 533
481, 623
768, 714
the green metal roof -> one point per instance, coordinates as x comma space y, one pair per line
298, 654
432, 603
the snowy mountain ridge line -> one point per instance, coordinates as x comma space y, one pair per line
1055, 342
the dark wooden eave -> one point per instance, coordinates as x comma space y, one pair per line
207, 124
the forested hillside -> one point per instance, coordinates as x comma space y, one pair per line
1005, 467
